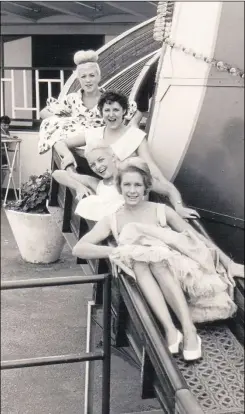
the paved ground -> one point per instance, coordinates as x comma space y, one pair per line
52, 321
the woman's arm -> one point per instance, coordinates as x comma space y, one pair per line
68, 158
178, 224
45, 113
87, 247
136, 119
84, 185
86, 180
75, 140
162, 186
63, 148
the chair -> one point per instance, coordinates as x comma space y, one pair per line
10, 155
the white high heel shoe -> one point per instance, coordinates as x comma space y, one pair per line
174, 348
195, 354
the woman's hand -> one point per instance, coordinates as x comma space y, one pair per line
63, 112
186, 213
83, 192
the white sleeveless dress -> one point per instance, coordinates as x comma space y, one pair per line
189, 260
124, 147
106, 201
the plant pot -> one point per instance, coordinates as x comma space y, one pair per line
37, 235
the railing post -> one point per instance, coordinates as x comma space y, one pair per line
104, 356
89, 368
62, 80
106, 369
12, 93
25, 89
37, 93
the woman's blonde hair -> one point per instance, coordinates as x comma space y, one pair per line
95, 145
134, 164
86, 56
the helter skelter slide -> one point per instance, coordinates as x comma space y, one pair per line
185, 70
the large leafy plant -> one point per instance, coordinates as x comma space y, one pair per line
34, 195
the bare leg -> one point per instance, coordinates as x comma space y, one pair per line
155, 299
175, 298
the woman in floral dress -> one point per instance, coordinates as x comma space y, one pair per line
70, 115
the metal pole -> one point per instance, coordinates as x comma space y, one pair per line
106, 368
54, 281
52, 360
19, 167
88, 397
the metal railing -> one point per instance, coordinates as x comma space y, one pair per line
20, 88
104, 355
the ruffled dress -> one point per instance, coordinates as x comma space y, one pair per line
69, 117
106, 201
203, 279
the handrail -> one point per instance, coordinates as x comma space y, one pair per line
115, 56
104, 356
36, 68
155, 346
28, 82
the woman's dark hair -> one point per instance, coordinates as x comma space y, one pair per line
134, 164
5, 120
113, 96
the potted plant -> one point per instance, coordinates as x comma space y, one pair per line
37, 235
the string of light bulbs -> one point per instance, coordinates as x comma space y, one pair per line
161, 33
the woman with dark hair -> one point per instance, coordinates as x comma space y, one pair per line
125, 141
171, 262
67, 117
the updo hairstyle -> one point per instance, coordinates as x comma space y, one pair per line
134, 164
86, 56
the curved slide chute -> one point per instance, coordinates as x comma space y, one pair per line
195, 130
121, 53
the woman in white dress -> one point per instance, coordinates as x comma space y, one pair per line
125, 141
69, 116
102, 196
170, 261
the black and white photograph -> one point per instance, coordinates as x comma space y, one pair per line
122, 207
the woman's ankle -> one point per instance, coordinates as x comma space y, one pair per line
171, 335
189, 330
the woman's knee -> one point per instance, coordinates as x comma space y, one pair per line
161, 272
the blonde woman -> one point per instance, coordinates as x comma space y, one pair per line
69, 116
171, 262
125, 141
